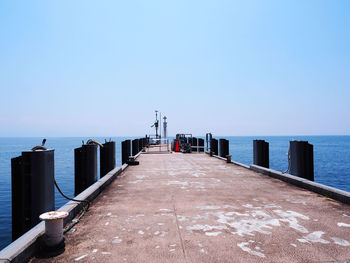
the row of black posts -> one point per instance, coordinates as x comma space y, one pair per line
132, 147
85, 164
32, 179
219, 147
300, 155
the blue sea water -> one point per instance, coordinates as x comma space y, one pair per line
331, 158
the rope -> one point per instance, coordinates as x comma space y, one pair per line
288, 153
74, 221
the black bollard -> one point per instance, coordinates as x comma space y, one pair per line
128, 147
107, 158
208, 138
85, 167
201, 144
124, 152
301, 155
135, 146
261, 153
224, 150
146, 141
140, 145
33, 193
214, 146
194, 144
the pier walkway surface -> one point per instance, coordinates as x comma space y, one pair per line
195, 208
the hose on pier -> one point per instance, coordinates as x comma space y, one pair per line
85, 209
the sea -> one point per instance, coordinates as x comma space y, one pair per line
331, 163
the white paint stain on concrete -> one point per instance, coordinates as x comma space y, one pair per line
141, 232
205, 227
81, 257
213, 234
296, 201
117, 240
135, 182
107, 223
202, 249
236, 214
271, 206
181, 218
208, 207
244, 247
177, 183
251, 206
341, 224
247, 226
163, 234
229, 206
198, 174
291, 218
314, 237
341, 242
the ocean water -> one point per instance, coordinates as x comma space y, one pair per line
331, 163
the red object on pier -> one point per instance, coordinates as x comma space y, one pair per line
177, 148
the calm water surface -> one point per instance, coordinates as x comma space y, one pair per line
331, 157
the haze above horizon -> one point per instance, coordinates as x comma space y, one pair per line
97, 68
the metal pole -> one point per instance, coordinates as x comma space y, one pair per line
156, 124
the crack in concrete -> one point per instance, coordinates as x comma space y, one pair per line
178, 230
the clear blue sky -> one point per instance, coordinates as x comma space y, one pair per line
101, 68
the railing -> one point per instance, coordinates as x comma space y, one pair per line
158, 143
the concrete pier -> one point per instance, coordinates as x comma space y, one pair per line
192, 208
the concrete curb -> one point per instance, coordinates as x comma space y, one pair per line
236, 163
25, 247
327, 191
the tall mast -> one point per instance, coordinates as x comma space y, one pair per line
165, 124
